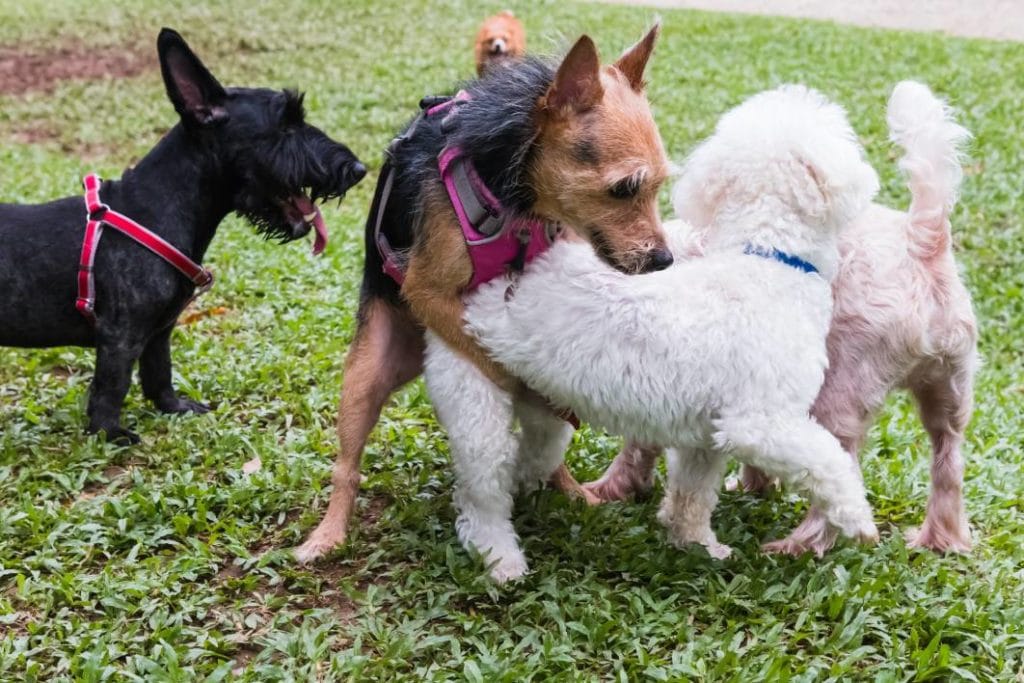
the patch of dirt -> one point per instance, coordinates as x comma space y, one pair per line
40, 134
245, 654
16, 624
34, 135
25, 69
63, 371
110, 474
230, 570
374, 509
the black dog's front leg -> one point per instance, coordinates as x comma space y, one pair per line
114, 361
155, 373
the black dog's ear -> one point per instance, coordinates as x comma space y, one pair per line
195, 93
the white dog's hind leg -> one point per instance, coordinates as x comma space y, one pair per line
802, 452
851, 394
542, 443
478, 417
694, 477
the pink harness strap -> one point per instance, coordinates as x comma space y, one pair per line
494, 241
99, 214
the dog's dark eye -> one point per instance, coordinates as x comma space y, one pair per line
627, 188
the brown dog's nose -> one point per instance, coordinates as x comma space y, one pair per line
660, 259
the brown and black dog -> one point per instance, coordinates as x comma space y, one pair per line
574, 145
501, 38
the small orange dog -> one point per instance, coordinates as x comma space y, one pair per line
501, 37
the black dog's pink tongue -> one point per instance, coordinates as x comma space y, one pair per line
308, 209
320, 241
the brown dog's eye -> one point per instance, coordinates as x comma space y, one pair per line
627, 188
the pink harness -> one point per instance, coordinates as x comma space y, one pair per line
495, 241
99, 214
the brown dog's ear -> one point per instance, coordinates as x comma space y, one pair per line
634, 60
577, 85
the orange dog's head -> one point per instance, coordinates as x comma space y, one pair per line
500, 37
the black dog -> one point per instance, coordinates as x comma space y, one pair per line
235, 150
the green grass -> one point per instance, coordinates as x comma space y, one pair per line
166, 562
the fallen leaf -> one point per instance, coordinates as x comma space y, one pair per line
196, 316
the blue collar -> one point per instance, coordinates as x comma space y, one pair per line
781, 257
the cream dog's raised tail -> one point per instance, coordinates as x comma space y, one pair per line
923, 126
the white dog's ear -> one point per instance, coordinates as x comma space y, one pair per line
836, 194
811, 190
700, 188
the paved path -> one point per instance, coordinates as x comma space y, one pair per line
998, 19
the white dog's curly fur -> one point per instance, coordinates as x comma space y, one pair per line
719, 356
902, 318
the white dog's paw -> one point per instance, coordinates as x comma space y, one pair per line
510, 566
855, 523
684, 539
666, 512
719, 551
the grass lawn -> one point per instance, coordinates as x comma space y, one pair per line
167, 562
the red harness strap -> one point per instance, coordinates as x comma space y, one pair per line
99, 214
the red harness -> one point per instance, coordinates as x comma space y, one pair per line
99, 214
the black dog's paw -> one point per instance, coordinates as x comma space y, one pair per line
117, 435
179, 406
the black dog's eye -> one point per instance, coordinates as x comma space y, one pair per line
627, 188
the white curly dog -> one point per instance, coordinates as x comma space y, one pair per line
717, 357
902, 318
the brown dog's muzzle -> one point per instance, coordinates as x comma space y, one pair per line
657, 259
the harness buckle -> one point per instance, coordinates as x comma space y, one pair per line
491, 224
206, 284
99, 212
86, 306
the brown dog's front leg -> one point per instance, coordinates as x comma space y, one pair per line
386, 353
562, 480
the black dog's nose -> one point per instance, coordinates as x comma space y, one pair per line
358, 170
660, 260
